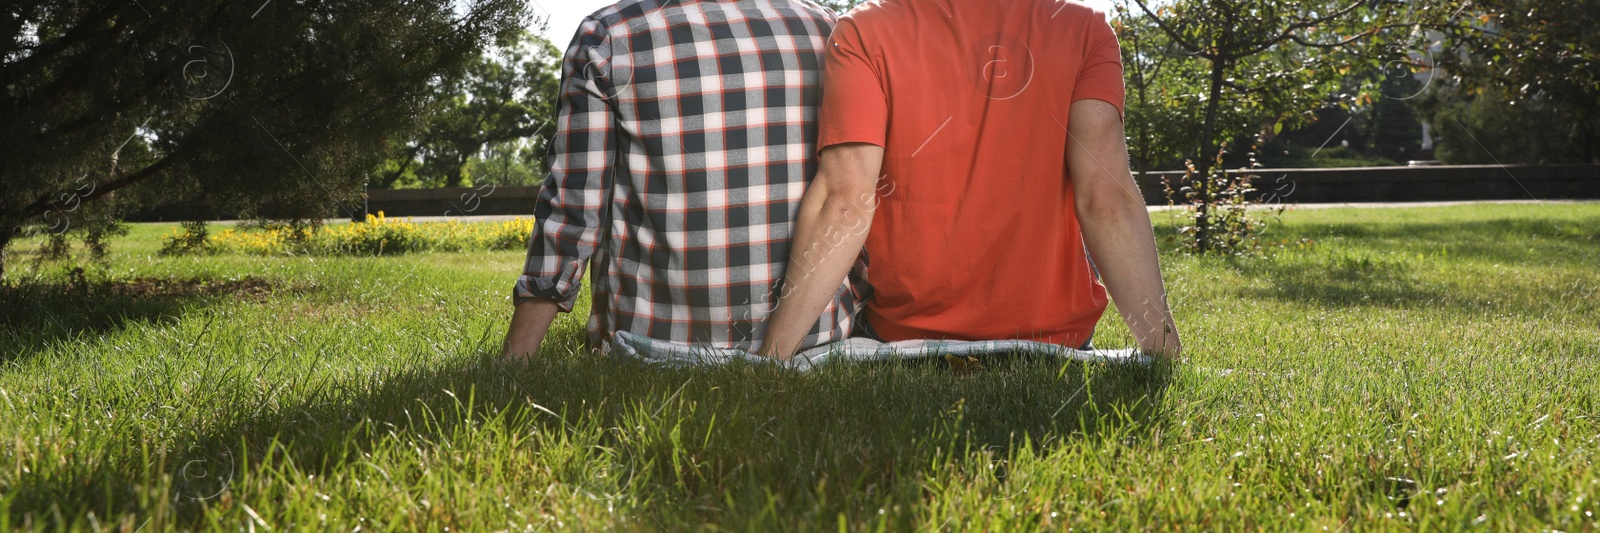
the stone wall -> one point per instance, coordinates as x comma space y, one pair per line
1411, 184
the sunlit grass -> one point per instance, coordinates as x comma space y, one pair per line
1430, 368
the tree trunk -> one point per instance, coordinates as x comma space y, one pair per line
455, 177
1202, 223
7, 233
411, 157
1144, 126
1591, 143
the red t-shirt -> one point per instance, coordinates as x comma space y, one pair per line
975, 236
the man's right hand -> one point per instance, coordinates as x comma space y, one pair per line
529, 324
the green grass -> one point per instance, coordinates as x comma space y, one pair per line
1426, 369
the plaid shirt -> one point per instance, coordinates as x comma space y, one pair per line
686, 137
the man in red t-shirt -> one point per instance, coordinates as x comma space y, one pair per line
981, 144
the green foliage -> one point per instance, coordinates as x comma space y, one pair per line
273, 109
1268, 65
193, 237
1535, 53
1165, 97
95, 234
1415, 369
1393, 125
518, 162
1265, 62
840, 6
1492, 128
1520, 83
56, 248
490, 126
97, 238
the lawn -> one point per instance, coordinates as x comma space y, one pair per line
1405, 369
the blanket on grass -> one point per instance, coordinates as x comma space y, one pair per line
625, 345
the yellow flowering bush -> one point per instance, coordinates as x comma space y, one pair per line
379, 235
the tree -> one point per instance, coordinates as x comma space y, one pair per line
1274, 60
1164, 97
504, 107
841, 6
1541, 53
276, 108
1495, 128
1393, 128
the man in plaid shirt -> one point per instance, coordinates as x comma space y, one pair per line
686, 138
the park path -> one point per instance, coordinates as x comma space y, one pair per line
1161, 208
1391, 205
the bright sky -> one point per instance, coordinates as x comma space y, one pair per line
566, 14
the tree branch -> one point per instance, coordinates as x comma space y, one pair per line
46, 204
1310, 23
1171, 33
45, 52
1303, 42
1237, 87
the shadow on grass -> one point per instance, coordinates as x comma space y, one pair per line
692, 442
1564, 241
1398, 265
37, 314
1341, 280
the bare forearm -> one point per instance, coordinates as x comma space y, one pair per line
835, 216
828, 236
529, 323
1123, 247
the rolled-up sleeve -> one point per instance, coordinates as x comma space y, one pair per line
571, 201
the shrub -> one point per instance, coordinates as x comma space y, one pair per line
1216, 213
95, 232
191, 238
379, 235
